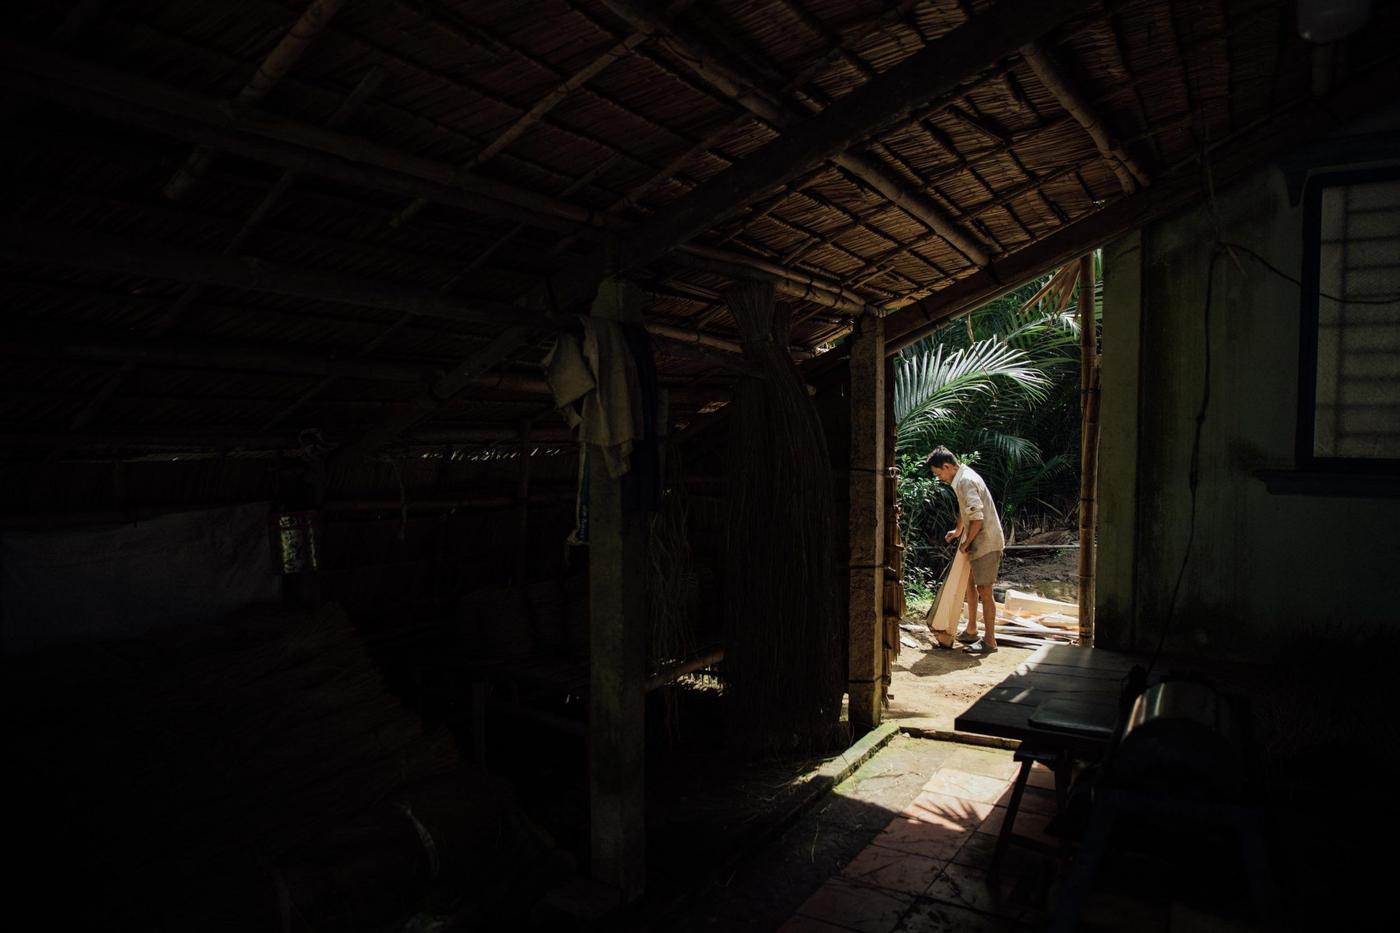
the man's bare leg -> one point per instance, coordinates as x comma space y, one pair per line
989, 615
971, 629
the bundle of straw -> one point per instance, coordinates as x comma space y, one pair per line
672, 586
785, 651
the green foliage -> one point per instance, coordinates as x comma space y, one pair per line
1000, 388
933, 387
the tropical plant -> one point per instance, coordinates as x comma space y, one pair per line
1000, 388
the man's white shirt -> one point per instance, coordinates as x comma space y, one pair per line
975, 503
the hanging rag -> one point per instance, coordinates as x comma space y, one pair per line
595, 382
594, 379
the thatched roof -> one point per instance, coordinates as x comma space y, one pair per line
414, 178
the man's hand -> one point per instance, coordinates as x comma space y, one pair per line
966, 545
950, 536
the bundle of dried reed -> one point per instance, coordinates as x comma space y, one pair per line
785, 654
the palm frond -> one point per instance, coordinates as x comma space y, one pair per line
929, 384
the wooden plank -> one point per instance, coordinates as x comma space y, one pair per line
943, 614
1026, 626
1027, 639
1016, 601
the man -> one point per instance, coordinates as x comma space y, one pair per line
979, 533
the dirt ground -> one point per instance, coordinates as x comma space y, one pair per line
931, 686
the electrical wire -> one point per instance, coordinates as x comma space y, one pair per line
1233, 247
1193, 474
1222, 247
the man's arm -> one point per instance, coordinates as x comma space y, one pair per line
974, 528
974, 516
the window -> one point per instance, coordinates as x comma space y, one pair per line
1349, 386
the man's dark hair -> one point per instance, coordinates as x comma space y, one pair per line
938, 457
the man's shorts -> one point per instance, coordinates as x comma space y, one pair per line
984, 568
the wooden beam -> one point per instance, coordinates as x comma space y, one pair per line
352, 160
749, 91
177, 439
293, 146
366, 88
672, 346
1130, 175
186, 354
430, 399
786, 282
556, 96
112, 254
277, 63
916, 204
938, 70
70, 248
447, 286
1228, 159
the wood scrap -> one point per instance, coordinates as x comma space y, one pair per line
1029, 626
1025, 639
1018, 601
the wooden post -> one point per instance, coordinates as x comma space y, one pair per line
866, 654
618, 674
893, 582
1089, 445
522, 509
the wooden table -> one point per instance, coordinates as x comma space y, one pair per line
1083, 684
1081, 687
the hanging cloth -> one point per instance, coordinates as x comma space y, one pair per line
595, 385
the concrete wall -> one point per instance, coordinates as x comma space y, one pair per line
1263, 570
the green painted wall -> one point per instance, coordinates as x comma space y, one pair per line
1264, 570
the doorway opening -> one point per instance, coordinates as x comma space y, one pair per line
1011, 390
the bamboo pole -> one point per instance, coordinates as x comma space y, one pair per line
80, 249
1273, 134
543, 106
789, 283
1089, 445
320, 151
1130, 175
192, 439
748, 91
167, 322
403, 321
277, 63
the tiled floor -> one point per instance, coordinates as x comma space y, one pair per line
927, 870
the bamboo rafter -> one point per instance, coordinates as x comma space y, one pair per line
1130, 175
